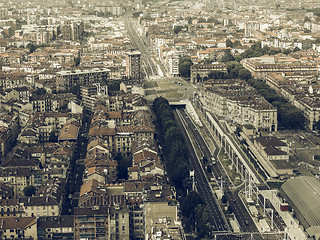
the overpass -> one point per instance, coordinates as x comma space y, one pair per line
178, 104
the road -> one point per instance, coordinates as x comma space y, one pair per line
148, 63
204, 189
247, 226
244, 219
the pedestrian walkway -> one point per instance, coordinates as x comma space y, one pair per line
293, 229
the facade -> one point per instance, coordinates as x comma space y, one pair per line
60, 227
261, 67
72, 30
18, 228
91, 223
51, 102
18, 178
173, 65
133, 65
101, 222
239, 102
67, 79
91, 94
272, 148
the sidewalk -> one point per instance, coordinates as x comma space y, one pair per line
293, 229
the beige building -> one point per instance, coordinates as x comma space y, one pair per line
261, 67
18, 228
101, 222
68, 79
133, 65
239, 102
18, 178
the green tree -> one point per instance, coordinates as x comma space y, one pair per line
75, 90
114, 85
229, 43
317, 125
31, 47
177, 29
53, 137
184, 67
244, 74
227, 57
29, 191
190, 202
40, 91
77, 61
136, 14
123, 164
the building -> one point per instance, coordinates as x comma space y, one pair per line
91, 223
91, 94
261, 67
72, 30
18, 228
133, 65
302, 194
58, 227
67, 79
101, 222
239, 102
51, 102
17, 178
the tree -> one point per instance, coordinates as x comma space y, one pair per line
114, 85
184, 67
53, 137
244, 74
123, 164
136, 14
227, 57
31, 47
40, 91
190, 202
75, 90
29, 191
317, 125
77, 61
229, 43
177, 29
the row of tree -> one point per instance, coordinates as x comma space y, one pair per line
254, 51
176, 159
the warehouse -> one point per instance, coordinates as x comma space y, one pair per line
303, 196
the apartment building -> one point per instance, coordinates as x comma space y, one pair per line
239, 102
261, 67
91, 223
91, 94
67, 79
51, 102
133, 65
18, 228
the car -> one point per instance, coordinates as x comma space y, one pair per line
247, 222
